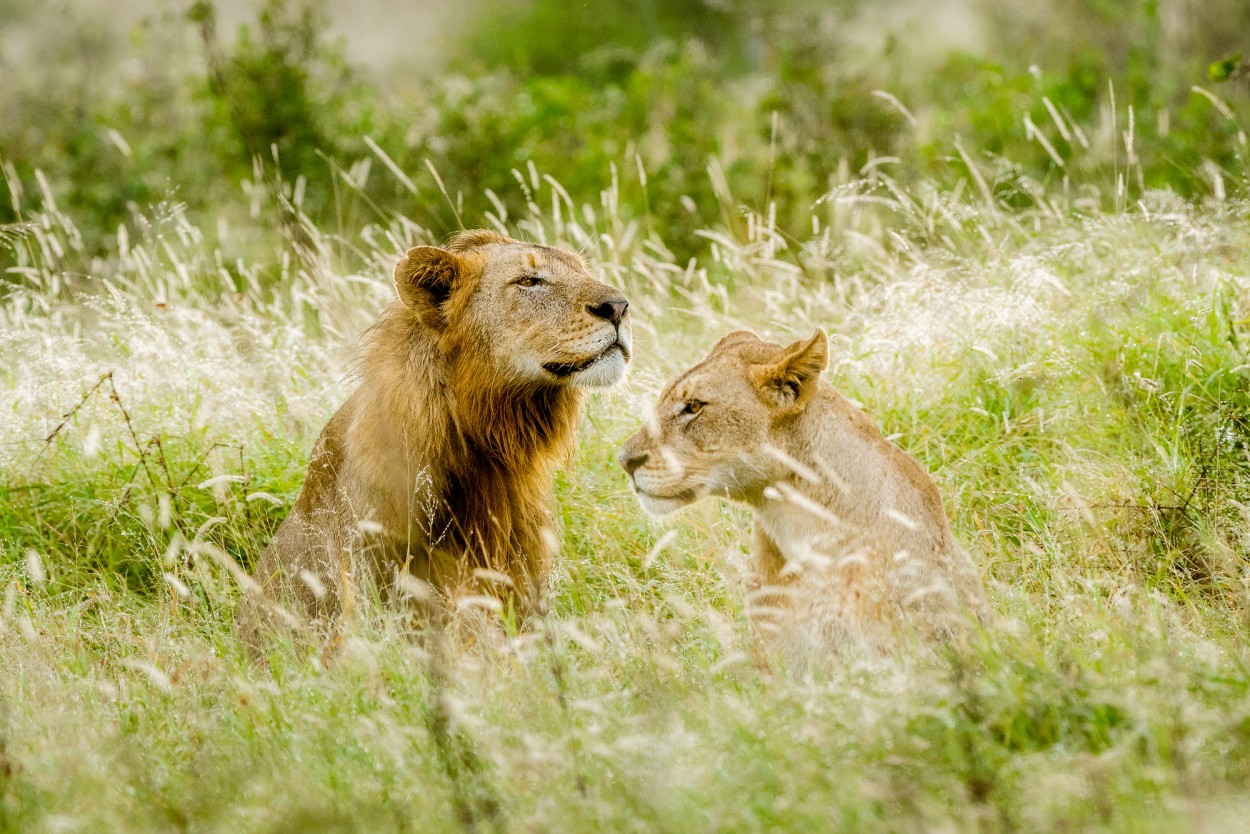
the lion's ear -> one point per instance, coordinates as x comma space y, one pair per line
789, 380
424, 278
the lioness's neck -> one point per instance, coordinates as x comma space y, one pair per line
847, 473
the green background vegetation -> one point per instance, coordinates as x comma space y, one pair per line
1024, 225
785, 95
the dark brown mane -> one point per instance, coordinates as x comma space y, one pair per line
505, 438
513, 437
515, 426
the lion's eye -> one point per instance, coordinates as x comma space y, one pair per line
693, 407
529, 280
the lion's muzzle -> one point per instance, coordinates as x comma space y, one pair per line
612, 309
606, 364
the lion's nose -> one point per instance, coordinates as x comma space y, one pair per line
612, 310
630, 461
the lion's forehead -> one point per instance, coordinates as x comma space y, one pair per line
569, 259
525, 256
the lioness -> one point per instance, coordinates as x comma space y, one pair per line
850, 540
440, 464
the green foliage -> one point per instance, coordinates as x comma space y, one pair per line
599, 40
780, 94
283, 94
1227, 69
1180, 392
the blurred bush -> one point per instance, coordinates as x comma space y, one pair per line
786, 98
281, 92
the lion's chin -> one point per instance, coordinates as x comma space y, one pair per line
604, 372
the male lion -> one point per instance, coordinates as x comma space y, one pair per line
439, 466
851, 545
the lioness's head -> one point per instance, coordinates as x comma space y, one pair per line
534, 314
714, 426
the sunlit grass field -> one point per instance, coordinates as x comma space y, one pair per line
1075, 379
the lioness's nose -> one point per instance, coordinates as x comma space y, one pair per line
612, 310
630, 461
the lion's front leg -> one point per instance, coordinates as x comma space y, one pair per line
301, 586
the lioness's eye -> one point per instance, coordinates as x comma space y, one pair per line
693, 407
529, 281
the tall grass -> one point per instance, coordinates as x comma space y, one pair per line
1073, 377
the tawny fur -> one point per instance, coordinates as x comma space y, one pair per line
439, 466
851, 545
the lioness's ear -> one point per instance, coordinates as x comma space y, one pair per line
424, 278
789, 381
